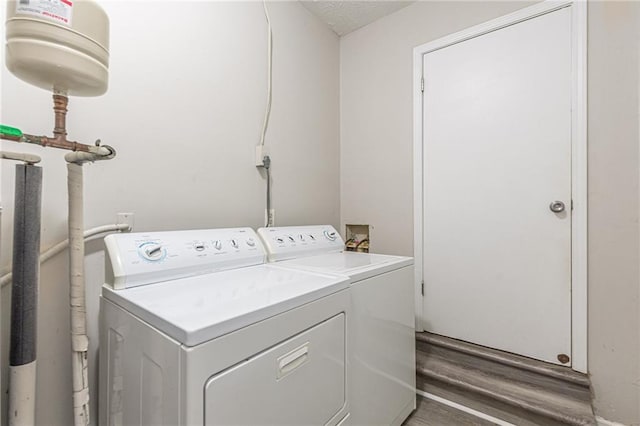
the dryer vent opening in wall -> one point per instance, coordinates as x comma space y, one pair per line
357, 238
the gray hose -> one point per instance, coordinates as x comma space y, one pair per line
267, 165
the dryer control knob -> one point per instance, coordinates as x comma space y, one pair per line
331, 236
217, 244
234, 243
251, 242
151, 251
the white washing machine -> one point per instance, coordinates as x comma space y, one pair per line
381, 334
196, 330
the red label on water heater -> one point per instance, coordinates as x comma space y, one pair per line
59, 11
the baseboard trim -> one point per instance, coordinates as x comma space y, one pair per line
473, 412
506, 358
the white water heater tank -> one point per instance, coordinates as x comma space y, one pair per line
59, 45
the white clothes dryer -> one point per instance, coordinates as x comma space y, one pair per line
381, 333
196, 330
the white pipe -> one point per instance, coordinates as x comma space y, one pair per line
22, 395
79, 338
104, 152
62, 245
20, 156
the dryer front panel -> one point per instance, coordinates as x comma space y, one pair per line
299, 381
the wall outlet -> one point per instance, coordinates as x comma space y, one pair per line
261, 151
125, 218
270, 219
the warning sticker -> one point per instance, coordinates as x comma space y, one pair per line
59, 11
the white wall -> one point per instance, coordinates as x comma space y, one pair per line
376, 166
184, 111
614, 200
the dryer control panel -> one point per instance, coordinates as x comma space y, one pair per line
290, 242
149, 257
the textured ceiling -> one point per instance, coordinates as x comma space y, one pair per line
346, 16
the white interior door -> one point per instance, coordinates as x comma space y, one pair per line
497, 153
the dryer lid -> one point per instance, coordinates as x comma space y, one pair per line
196, 309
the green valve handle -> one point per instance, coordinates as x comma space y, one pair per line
11, 131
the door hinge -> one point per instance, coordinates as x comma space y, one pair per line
422, 288
422, 84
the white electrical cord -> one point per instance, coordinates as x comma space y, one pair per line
266, 161
62, 245
267, 111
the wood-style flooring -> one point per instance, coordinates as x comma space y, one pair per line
433, 413
507, 387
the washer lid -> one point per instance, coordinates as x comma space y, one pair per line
357, 266
196, 309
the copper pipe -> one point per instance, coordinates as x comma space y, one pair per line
11, 137
60, 109
59, 140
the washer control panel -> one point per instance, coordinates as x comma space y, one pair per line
290, 242
150, 257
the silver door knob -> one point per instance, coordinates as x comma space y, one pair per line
556, 206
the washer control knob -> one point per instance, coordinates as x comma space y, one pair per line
151, 251
217, 244
280, 240
312, 237
199, 246
251, 242
234, 243
331, 236
301, 237
293, 240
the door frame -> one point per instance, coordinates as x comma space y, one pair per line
578, 158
